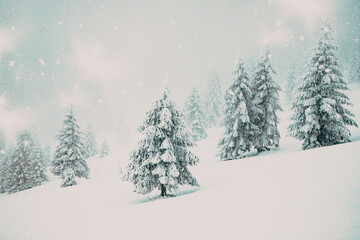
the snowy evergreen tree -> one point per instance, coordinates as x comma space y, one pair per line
90, 145
68, 160
2, 142
195, 116
354, 74
39, 154
214, 100
47, 155
23, 168
104, 149
123, 133
319, 116
4, 161
252, 71
291, 83
162, 158
239, 118
266, 97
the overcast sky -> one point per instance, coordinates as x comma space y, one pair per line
113, 58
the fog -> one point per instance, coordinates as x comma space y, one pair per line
112, 59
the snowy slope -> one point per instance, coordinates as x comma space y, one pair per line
301, 195
283, 194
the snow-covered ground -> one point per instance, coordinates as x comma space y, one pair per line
283, 194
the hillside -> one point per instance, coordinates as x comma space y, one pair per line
282, 195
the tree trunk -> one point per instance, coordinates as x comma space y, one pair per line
163, 190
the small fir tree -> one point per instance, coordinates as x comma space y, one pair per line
291, 84
214, 100
354, 74
266, 97
2, 142
195, 116
319, 115
162, 158
4, 166
23, 168
123, 134
104, 149
47, 155
239, 114
68, 160
90, 145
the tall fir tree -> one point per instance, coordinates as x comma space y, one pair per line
90, 144
69, 161
23, 168
319, 115
194, 112
354, 71
47, 155
240, 114
162, 158
104, 151
266, 97
123, 134
291, 83
214, 100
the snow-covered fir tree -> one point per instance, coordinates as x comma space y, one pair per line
46, 151
240, 114
123, 133
104, 151
23, 168
68, 160
4, 163
90, 145
291, 83
354, 71
194, 112
214, 100
266, 97
2, 142
320, 117
162, 158
252, 67
39, 153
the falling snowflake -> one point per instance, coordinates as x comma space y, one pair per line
42, 62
